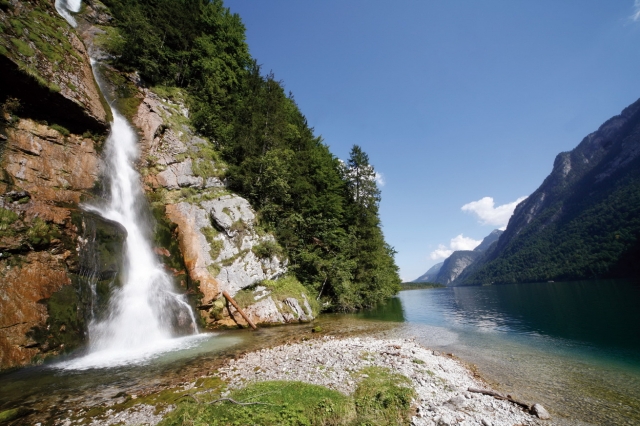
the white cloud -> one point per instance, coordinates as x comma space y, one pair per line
379, 179
442, 252
488, 214
464, 243
636, 11
457, 243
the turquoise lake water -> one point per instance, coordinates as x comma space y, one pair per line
574, 347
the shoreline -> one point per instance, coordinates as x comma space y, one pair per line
440, 381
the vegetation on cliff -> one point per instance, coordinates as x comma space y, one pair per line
584, 220
323, 212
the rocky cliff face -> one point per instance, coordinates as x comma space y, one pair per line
582, 221
611, 148
431, 275
218, 238
52, 126
455, 264
45, 66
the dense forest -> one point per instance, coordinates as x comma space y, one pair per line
323, 212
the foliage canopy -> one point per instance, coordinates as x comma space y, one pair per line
324, 213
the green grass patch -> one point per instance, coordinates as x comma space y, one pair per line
289, 286
62, 130
239, 226
267, 249
110, 40
7, 218
216, 245
383, 398
40, 232
23, 48
245, 297
170, 92
282, 403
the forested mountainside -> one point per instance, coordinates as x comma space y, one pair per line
583, 222
323, 213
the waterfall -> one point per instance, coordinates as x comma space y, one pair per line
145, 310
66, 7
145, 315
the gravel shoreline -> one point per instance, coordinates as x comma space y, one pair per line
440, 382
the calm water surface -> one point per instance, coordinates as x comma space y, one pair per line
574, 347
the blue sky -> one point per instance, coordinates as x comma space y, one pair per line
454, 101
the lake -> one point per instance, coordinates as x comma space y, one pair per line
573, 347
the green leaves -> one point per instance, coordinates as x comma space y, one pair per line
324, 216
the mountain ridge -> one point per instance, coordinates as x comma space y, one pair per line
582, 220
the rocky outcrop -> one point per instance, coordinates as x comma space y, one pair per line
220, 242
51, 166
53, 122
45, 66
265, 305
455, 264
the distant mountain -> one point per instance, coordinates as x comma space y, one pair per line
583, 222
429, 276
455, 264
446, 272
488, 240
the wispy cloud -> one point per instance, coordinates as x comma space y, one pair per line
489, 214
379, 179
636, 11
457, 243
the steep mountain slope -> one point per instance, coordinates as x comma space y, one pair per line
431, 275
455, 264
488, 240
448, 271
583, 221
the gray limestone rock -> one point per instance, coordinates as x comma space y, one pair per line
228, 210
540, 412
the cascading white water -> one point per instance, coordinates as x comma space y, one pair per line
143, 310
66, 7
145, 314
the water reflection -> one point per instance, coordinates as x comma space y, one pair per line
598, 314
392, 311
574, 347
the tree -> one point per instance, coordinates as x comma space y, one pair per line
361, 180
